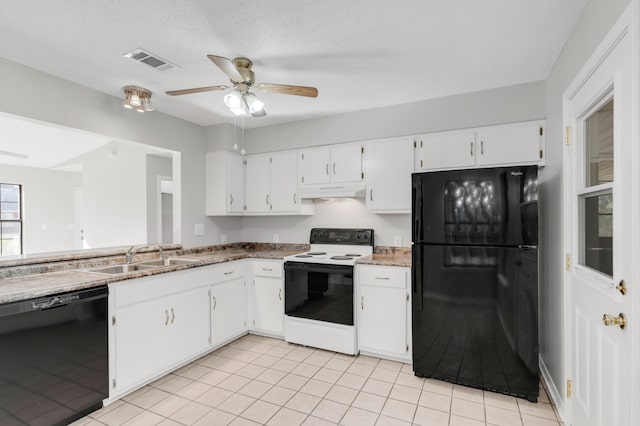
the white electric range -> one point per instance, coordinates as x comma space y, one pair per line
319, 289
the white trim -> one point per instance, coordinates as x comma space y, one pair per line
159, 192
552, 390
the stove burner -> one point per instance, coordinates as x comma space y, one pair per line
316, 253
302, 255
353, 255
341, 257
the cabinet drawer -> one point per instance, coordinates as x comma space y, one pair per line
267, 269
382, 276
228, 271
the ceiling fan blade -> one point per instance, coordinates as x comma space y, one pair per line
258, 114
285, 89
196, 90
227, 67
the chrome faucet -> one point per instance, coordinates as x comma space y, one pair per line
132, 252
161, 250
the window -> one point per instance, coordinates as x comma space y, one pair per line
10, 219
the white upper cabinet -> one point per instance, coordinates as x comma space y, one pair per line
445, 150
225, 183
503, 145
257, 183
272, 184
388, 165
334, 164
519, 143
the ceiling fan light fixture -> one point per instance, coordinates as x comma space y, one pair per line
137, 98
233, 100
253, 103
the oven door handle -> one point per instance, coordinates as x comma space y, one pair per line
317, 267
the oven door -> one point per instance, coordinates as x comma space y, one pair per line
319, 292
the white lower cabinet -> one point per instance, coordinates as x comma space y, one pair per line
228, 310
267, 297
384, 312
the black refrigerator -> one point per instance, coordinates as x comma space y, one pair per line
475, 278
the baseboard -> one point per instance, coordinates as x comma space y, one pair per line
554, 394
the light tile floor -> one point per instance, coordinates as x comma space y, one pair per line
257, 380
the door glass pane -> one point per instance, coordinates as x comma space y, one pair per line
599, 146
598, 233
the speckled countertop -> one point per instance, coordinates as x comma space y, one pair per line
31, 278
388, 256
67, 274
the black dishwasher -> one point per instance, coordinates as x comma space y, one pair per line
53, 358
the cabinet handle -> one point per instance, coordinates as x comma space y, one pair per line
481, 147
334, 168
267, 269
327, 168
215, 302
280, 294
173, 315
382, 278
267, 198
471, 149
371, 194
362, 302
228, 273
166, 321
295, 198
230, 199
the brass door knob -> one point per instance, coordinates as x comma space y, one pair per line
620, 320
622, 287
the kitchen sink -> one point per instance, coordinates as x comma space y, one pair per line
120, 269
168, 262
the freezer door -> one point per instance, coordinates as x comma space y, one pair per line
497, 206
475, 317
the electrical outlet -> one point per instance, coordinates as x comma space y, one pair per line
397, 241
198, 230
276, 238
223, 239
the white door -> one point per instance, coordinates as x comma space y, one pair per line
599, 224
257, 184
227, 310
388, 173
447, 150
235, 183
284, 181
313, 165
268, 305
189, 324
382, 323
346, 164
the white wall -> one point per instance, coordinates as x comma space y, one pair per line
68, 104
503, 105
597, 18
49, 206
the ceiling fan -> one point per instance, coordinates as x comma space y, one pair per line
241, 100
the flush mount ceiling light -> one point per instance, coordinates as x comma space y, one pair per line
137, 98
241, 101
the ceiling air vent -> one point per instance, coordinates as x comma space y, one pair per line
148, 58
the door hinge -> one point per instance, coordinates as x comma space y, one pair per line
302, 179
407, 348
244, 162
567, 135
362, 175
113, 320
362, 149
568, 388
113, 383
302, 156
567, 262
270, 160
541, 154
407, 296
415, 143
420, 143
541, 131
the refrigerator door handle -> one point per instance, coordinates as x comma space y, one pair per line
416, 270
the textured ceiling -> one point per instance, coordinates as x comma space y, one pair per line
360, 54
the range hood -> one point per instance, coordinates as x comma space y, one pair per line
347, 190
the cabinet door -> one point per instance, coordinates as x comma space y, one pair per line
509, 145
346, 163
257, 183
448, 150
268, 304
189, 324
227, 310
313, 166
284, 181
235, 184
389, 165
382, 325
141, 342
